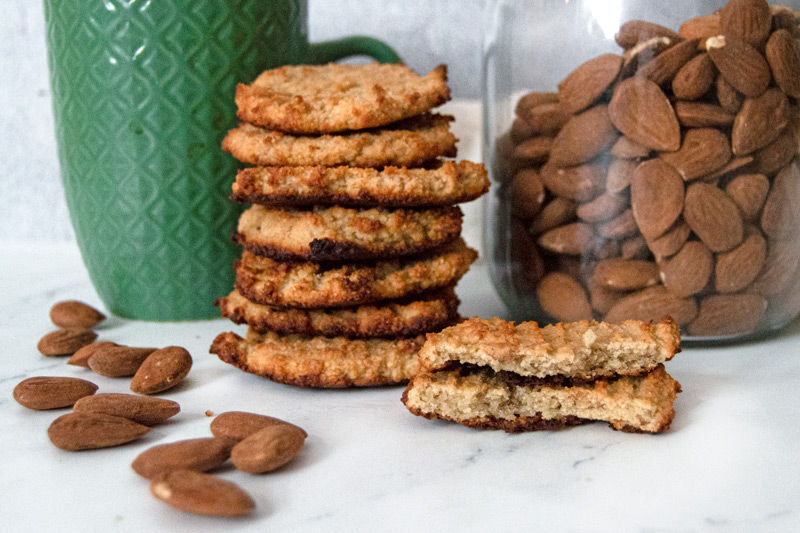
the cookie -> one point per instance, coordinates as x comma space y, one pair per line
410, 142
481, 398
320, 361
448, 183
313, 285
584, 350
333, 98
432, 312
345, 234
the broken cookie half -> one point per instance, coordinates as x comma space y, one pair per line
497, 375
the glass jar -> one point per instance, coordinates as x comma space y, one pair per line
644, 162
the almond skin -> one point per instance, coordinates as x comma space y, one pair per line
620, 174
665, 66
563, 298
89, 431
687, 272
65, 341
742, 66
656, 197
703, 151
729, 98
238, 425
641, 111
760, 121
118, 361
46, 392
701, 115
604, 207
782, 207
695, 78
748, 191
81, 357
557, 212
162, 370
736, 269
651, 304
75, 314
713, 217
625, 274
749, 20
634, 32
583, 137
626, 148
777, 154
700, 27
143, 410
198, 455
580, 183
268, 449
670, 242
584, 85
728, 314
783, 56
527, 194
623, 225
203, 494
574, 239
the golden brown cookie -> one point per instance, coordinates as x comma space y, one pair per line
485, 399
345, 234
410, 143
334, 97
320, 361
448, 183
431, 312
312, 285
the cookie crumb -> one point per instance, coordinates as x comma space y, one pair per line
209, 412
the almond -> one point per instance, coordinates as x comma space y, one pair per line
526, 263
740, 64
656, 197
748, 192
623, 225
728, 314
701, 27
81, 357
670, 242
65, 341
700, 115
782, 208
520, 130
620, 175
634, 32
703, 151
584, 85
601, 297
563, 298
783, 56
729, 98
268, 449
238, 425
749, 20
557, 212
583, 137
663, 68
605, 249
574, 239
75, 314
162, 370
45, 392
118, 361
198, 455
777, 273
785, 18
687, 272
143, 410
527, 194
736, 269
625, 274
734, 164
713, 217
533, 150
759, 121
625, 148
527, 102
89, 431
641, 111
604, 207
203, 494
777, 154
581, 183
634, 248
651, 304
695, 78
546, 118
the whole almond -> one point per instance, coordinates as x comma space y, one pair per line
527, 102
81, 357
644, 52
749, 20
641, 111
533, 150
601, 297
634, 32
759, 121
713, 217
740, 64
783, 56
143, 410
198, 455
527, 194
779, 267
625, 274
703, 151
634, 248
46, 392
665, 66
268, 449
583, 137
670, 242
626, 148
584, 85
581, 183
621, 226
563, 298
546, 118
777, 154
782, 208
736, 269
702, 115
701, 27
785, 18
65, 341
557, 212
604, 207
89, 431
728, 314
656, 197
118, 361
687, 272
695, 78
651, 304
733, 165
75, 314
520, 130
238, 425
574, 239
199, 493
748, 192
729, 98
620, 174
162, 370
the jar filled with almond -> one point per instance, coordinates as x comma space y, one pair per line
645, 162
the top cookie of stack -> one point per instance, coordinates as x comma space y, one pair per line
352, 245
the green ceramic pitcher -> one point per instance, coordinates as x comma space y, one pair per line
143, 93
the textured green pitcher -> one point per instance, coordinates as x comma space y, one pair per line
143, 94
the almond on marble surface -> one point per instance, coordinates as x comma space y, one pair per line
65, 341
562, 297
199, 493
46, 392
75, 314
728, 314
688, 271
81, 357
736, 269
641, 111
89, 431
118, 361
713, 217
144, 410
198, 455
268, 449
162, 370
238, 425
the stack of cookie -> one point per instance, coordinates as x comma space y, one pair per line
352, 245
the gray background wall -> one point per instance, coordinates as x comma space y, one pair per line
425, 33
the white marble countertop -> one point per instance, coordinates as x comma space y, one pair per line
729, 462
